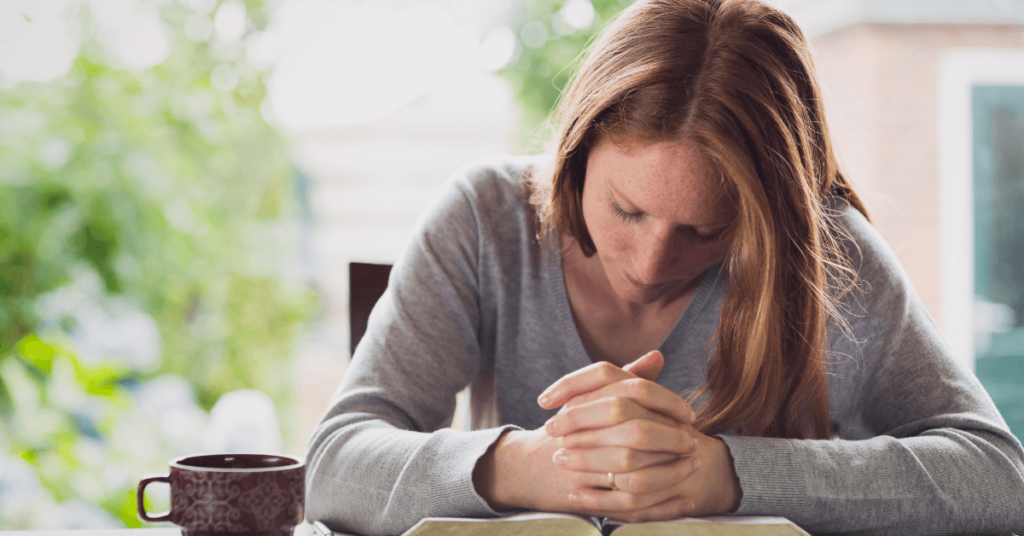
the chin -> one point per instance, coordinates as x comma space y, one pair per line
644, 296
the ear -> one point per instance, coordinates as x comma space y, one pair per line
648, 366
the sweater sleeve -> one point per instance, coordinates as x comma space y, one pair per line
921, 449
382, 457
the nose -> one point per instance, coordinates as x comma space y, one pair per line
655, 256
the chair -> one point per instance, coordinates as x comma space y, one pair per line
366, 284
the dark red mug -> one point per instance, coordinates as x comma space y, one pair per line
232, 494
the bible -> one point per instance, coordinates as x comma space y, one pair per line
543, 524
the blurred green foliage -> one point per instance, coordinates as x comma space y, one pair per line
548, 51
178, 196
57, 413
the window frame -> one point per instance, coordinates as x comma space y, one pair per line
959, 71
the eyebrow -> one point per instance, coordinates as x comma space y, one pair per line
616, 196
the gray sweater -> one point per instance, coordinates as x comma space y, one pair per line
477, 300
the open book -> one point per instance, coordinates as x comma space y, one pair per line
538, 524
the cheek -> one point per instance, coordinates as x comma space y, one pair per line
711, 254
605, 229
613, 238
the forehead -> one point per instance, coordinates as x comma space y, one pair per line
665, 180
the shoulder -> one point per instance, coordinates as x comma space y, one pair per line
495, 183
488, 195
879, 274
482, 202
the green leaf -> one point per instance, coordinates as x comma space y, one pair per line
101, 379
28, 455
36, 352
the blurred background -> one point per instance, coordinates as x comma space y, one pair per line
184, 182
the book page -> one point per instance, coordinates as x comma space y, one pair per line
527, 524
712, 526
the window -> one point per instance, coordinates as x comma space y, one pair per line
998, 187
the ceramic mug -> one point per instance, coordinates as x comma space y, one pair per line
229, 494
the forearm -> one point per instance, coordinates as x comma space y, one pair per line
944, 481
370, 478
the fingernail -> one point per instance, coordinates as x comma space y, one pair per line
693, 416
544, 398
574, 497
551, 427
693, 443
561, 457
694, 465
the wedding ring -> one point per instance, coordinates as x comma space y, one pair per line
611, 482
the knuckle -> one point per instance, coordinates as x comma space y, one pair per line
627, 459
575, 440
683, 472
636, 433
636, 387
635, 482
605, 370
619, 410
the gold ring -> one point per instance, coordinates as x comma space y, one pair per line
611, 482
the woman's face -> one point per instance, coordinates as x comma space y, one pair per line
649, 212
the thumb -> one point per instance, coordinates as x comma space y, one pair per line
648, 366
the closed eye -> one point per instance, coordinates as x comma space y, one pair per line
628, 217
703, 238
635, 217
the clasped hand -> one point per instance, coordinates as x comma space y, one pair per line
617, 421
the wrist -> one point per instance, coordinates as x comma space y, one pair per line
494, 476
729, 491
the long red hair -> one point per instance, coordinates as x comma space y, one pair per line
735, 78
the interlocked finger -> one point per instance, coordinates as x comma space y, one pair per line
657, 477
604, 499
601, 413
581, 381
637, 434
610, 459
673, 508
646, 393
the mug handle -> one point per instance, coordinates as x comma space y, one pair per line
147, 480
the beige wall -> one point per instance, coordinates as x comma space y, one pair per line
881, 92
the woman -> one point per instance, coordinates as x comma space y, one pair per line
697, 286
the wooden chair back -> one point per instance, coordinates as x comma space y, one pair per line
366, 284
